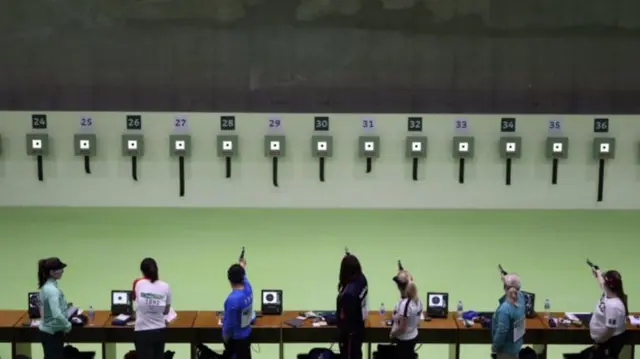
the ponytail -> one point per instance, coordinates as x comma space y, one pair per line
613, 282
411, 292
149, 269
623, 297
152, 274
624, 301
43, 274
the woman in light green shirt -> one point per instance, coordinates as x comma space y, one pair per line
53, 311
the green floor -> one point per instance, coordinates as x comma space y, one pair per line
299, 252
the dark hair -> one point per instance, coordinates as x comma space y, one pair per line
43, 272
149, 269
349, 269
235, 274
613, 281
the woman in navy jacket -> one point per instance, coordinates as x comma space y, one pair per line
352, 308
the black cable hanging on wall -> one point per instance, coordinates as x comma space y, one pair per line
554, 171
181, 169
369, 161
227, 161
134, 167
507, 178
40, 169
275, 171
600, 179
87, 165
461, 171
321, 170
415, 169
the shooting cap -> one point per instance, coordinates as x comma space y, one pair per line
53, 263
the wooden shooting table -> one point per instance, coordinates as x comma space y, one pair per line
194, 327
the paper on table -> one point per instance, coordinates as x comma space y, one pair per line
573, 315
123, 318
171, 315
634, 319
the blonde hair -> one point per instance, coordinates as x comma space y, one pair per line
512, 284
411, 290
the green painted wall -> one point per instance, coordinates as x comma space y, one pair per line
299, 251
388, 186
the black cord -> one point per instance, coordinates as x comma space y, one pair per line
368, 164
40, 171
415, 168
181, 165
554, 171
321, 169
87, 165
507, 179
134, 167
461, 171
601, 180
275, 171
228, 166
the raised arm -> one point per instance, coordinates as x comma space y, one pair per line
245, 280
598, 275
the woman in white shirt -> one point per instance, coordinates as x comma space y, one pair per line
406, 317
609, 320
153, 302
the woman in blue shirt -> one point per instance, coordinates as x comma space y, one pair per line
53, 308
509, 321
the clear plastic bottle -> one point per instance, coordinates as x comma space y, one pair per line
460, 310
547, 308
382, 310
92, 314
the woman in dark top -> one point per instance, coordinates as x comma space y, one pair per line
352, 308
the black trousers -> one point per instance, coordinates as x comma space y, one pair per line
351, 346
150, 343
608, 350
52, 345
405, 349
237, 349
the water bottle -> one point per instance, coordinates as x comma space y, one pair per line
382, 310
92, 314
547, 308
460, 310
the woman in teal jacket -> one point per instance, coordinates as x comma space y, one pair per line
53, 311
508, 324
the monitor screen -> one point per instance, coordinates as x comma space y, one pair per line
120, 298
436, 300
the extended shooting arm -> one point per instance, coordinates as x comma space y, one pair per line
596, 273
